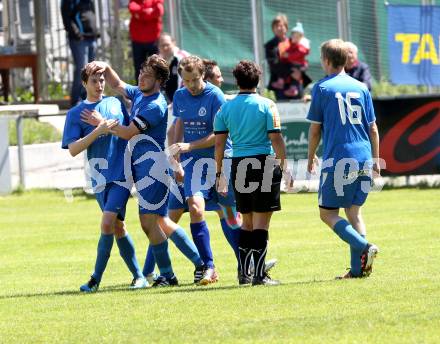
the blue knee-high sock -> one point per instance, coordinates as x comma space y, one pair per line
163, 259
186, 246
128, 253
105, 245
231, 235
200, 234
150, 262
347, 233
355, 260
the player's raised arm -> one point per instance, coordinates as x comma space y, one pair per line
111, 77
138, 125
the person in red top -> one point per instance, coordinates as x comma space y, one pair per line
292, 54
295, 49
145, 29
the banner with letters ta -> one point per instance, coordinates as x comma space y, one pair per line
414, 44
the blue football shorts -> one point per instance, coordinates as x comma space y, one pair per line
174, 203
345, 191
152, 181
114, 199
199, 180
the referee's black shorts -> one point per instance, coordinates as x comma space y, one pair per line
256, 181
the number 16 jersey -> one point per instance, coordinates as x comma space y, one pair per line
343, 107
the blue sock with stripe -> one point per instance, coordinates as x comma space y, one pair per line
149, 263
163, 259
105, 245
231, 235
200, 234
355, 260
128, 253
186, 246
347, 233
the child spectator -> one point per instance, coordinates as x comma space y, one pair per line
293, 54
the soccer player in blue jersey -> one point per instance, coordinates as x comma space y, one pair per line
148, 162
342, 113
253, 124
195, 106
178, 205
105, 154
230, 219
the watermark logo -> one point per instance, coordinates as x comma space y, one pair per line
148, 173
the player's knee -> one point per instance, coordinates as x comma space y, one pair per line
107, 227
120, 230
161, 221
164, 224
247, 225
195, 211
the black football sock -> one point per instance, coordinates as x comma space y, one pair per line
259, 250
245, 251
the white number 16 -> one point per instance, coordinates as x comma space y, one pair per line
354, 111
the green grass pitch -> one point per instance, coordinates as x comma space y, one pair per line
48, 246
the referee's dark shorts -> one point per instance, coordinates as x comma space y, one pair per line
256, 180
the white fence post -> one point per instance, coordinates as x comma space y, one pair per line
5, 168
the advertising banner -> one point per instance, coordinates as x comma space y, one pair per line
409, 129
413, 44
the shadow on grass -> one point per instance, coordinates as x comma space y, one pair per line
182, 288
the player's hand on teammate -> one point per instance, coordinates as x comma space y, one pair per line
180, 147
173, 153
96, 67
105, 127
176, 166
92, 117
312, 164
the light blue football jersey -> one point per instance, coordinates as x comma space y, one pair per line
249, 118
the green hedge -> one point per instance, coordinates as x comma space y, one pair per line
34, 132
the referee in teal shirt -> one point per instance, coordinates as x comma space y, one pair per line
253, 123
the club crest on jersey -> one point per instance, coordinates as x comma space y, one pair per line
202, 111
